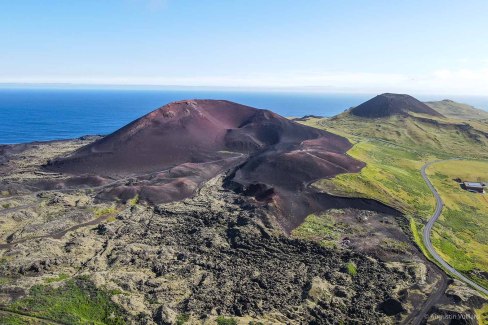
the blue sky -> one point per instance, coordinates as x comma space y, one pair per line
359, 46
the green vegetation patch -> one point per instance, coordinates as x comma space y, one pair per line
458, 110
132, 202
75, 302
417, 237
4, 280
394, 245
460, 235
394, 149
352, 269
10, 319
100, 212
59, 278
482, 315
221, 320
322, 228
182, 319
392, 176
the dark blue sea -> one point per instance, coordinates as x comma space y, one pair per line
49, 114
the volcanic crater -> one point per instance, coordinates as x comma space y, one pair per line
169, 153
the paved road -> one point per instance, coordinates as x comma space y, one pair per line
428, 230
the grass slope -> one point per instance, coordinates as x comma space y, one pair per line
76, 301
460, 236
394, 150
390, 176
456, 110
439, 137
321, 228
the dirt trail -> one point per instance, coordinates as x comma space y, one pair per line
115, 182
59, 234
417, 316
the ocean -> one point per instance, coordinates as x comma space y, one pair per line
28, 115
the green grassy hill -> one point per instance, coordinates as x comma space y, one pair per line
456, 110
439, 136
461, 235
394, 149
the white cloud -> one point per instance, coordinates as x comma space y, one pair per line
462, 81
444, 81
442, 74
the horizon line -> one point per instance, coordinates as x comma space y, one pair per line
298, 89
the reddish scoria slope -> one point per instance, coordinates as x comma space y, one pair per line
192, 131
174, 149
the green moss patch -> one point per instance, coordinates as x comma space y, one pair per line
321, 228
77, 301
352, 269
221, 320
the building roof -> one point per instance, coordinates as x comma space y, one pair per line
473, 185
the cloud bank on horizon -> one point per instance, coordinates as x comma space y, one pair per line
371, 46
461, 81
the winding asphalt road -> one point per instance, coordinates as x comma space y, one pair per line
428, 230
